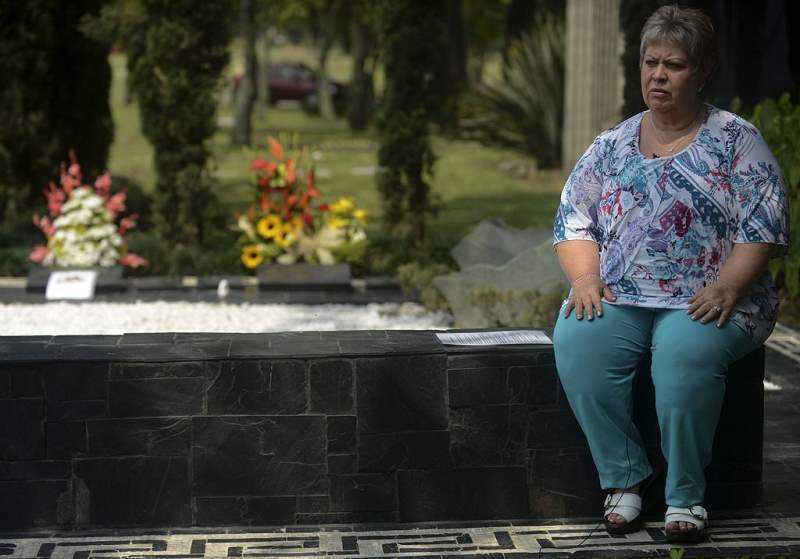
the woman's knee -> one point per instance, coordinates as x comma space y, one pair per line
688, 382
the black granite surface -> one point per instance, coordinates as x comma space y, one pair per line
312, 427
328, 286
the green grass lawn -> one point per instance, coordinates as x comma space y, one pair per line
466, 177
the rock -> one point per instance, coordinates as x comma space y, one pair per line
493, 242
506, 259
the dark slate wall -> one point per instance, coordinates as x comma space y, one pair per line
253, 429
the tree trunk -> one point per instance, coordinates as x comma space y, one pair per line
326, 27
247, 90
323, 83
456, 46
456, 62
264, 46
475, 66
361, 93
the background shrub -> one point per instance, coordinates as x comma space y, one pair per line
413, 43
779, 123
55, 96
177, 52
525, 110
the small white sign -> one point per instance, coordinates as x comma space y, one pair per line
76, 284
509, 337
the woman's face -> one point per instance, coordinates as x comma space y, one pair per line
669, 83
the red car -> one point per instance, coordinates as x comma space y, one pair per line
298, 82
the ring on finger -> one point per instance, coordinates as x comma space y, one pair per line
716, 308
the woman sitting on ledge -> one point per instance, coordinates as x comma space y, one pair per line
665, 228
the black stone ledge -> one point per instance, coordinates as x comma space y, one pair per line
204, 289
175, 347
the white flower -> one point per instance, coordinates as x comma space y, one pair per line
86, 234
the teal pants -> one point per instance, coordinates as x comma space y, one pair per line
596, 361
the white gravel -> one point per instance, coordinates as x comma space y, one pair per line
120, 318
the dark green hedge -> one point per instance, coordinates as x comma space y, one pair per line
414, 51
55, 96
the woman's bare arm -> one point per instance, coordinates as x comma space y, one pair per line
580, 261
578, 257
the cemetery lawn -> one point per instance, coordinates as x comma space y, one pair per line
466, 174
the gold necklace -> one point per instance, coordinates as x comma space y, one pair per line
680, 139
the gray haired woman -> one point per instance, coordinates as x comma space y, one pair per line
665, 228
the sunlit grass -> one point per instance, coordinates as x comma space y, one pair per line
131, 154
467, 176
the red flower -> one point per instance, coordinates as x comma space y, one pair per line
103, 185
69, 183
323, 207
55, 199
265, 204
264, 166
127, 223
308, 218
275, 148
70, 177
39, 253
133, 260
116, 203
45, 225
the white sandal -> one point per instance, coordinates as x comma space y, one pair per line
626, 504
696, 515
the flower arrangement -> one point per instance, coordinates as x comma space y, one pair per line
81, 230
289, 223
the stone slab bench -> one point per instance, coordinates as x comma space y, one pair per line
153, 430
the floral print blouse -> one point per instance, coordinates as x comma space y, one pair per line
666, 225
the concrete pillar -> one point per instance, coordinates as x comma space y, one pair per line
594, 77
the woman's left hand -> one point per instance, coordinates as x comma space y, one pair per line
715, 301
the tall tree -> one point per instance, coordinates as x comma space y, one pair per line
456, 46
412, 34
793, 39
327, 13
521, 16
177, 51
484, 25
247, 90
363, 43
56, 84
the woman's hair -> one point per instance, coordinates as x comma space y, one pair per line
687, 28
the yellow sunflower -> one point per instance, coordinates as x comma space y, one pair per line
287, 236
338, 222
252, 256
293, 225
342, 205
270, 226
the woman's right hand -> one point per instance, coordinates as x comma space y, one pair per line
586, 297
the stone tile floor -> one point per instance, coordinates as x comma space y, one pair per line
753, 537
771, 530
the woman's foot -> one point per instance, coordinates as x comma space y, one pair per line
614, 518
686, 524
622, 510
